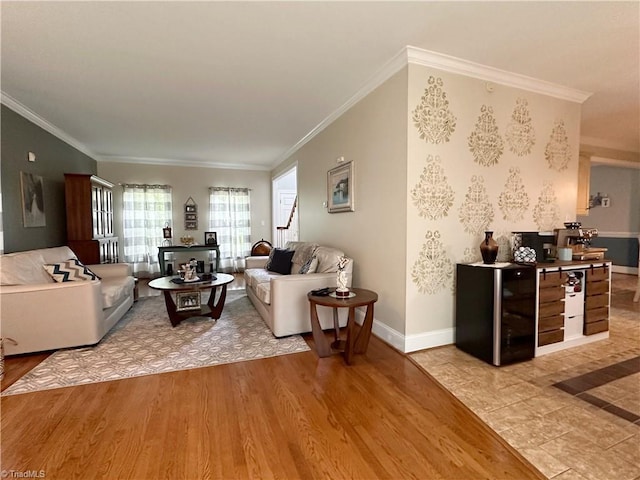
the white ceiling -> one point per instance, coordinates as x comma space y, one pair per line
235, 83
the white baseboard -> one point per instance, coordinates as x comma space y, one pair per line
436, 338
409, 343
623, 269
389, 335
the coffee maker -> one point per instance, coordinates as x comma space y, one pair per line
574, 235
578, 238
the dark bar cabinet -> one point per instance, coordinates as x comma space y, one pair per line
495, 311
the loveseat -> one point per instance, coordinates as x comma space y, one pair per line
281, 298
40, 314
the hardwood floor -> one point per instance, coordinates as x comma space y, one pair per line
293, 416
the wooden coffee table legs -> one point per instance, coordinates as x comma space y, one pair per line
212, 309
216, 308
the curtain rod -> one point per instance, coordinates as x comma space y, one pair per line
143, 185
232, 189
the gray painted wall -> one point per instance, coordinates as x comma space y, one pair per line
618, 224
622, 185
54, 158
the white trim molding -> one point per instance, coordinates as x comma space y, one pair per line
451, 64
436, 338
417, 56
410, 343
626, 270
33, 117
397, 63
610, 144
180, 163
613, 162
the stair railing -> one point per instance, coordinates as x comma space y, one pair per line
286, 233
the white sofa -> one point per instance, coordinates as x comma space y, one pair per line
282, 300
40, 314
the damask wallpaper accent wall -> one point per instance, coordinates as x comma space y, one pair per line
481, 156
439, 158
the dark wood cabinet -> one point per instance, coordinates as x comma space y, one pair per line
596, 317
550, 308
89, 206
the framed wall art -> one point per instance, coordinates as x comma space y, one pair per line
210, 238
187, 301
32, 200
340, 192
190, 214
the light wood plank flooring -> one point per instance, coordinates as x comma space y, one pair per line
293, 416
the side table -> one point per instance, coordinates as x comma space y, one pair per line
355, 343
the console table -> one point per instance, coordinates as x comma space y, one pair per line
182, 248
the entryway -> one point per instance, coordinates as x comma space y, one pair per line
285, 207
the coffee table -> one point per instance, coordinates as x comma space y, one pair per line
211, 309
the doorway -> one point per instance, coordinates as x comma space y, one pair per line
285, 208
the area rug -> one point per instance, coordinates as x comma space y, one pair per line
145, 343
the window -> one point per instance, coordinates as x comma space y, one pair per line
146, 210
230, 218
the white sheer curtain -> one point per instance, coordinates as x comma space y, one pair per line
146, 210
230, 217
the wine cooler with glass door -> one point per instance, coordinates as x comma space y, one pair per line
495, 311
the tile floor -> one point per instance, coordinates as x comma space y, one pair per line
565, 435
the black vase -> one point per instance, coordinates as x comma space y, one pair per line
489, 248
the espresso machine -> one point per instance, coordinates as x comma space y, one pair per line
578, 239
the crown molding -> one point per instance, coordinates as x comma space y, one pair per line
33, 117
172, 162
417, 56
447, 63
397, 63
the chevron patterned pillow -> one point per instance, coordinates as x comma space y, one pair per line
70, 271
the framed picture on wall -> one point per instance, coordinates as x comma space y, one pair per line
340, 192
32, 187
190, 214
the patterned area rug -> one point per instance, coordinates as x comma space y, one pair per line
144, 343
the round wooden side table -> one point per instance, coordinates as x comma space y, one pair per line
355, 343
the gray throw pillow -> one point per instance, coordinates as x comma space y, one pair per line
310, 266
